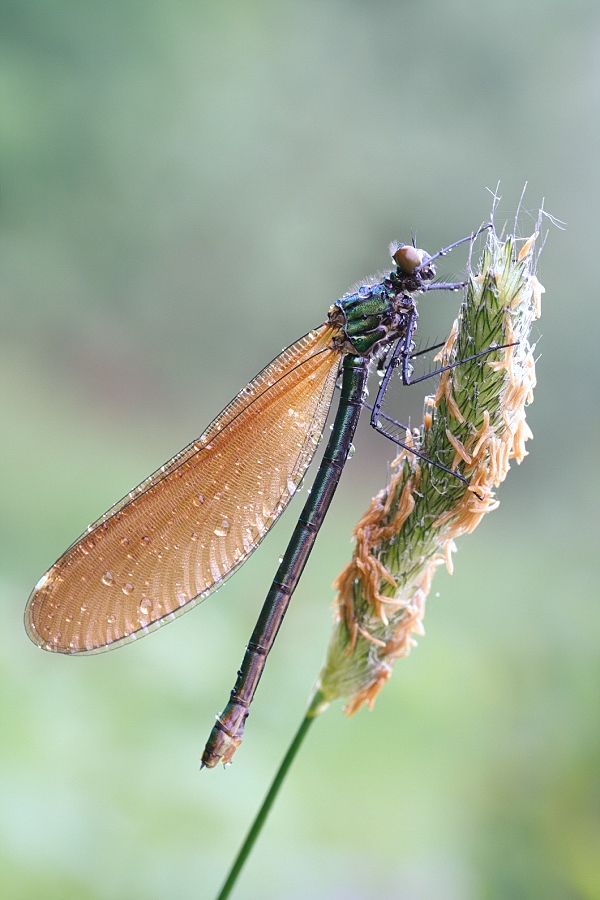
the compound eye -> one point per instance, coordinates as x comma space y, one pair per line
408, 258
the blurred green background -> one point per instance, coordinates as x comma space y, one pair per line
186, 188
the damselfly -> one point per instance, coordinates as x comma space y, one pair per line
175, 538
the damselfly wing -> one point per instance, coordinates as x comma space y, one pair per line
174, 539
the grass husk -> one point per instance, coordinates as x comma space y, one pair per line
475, 424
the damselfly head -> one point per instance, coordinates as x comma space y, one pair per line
407, 257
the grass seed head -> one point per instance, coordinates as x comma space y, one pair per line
475, 425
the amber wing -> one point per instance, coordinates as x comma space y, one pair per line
175, 538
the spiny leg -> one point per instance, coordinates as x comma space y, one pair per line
469, 238
400, 353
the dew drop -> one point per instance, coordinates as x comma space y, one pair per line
145, 606
83, 607
107, 579
194, 536
69, 618
223, 529
125, 541
111, 620
146, 539
127, 588
351, 451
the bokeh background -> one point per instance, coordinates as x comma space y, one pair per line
186, 187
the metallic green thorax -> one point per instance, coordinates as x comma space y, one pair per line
380, 313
